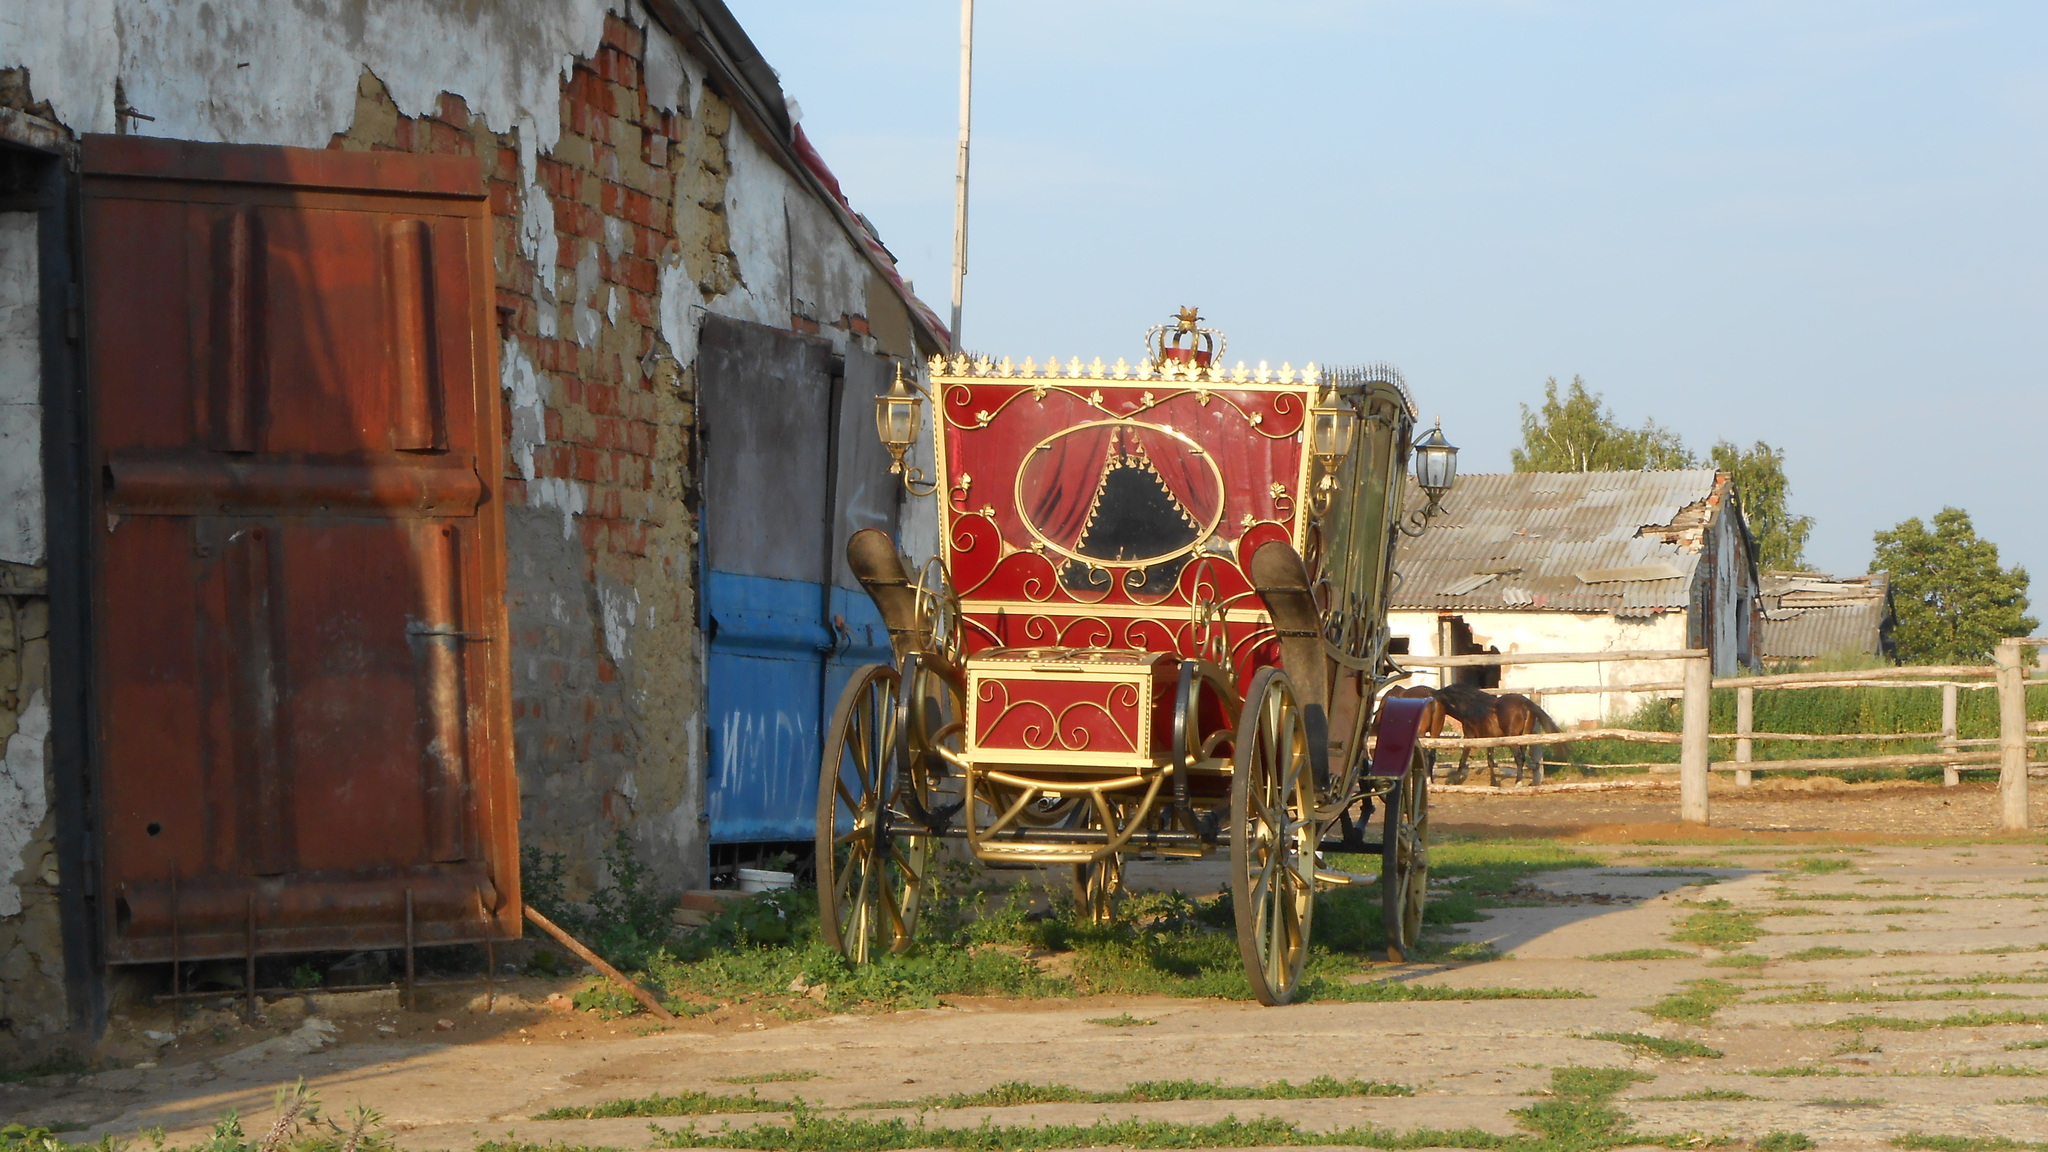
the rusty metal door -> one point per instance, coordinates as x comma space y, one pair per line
298, 571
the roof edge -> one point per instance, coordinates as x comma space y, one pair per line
741, 73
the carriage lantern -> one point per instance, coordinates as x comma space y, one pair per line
896, 420
1332, 423
1436, 467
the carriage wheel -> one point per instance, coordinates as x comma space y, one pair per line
1273, 837
869, 871
1404, 858
1099, 886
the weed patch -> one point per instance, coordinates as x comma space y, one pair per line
1697, 1003
1126, 1020
1826, 952
1576, 1117
788, 1077
1658, 1045
1718, 925
680, 1104
1018, 1092
1924, 1142
1647, 954
1971, 1019
1823, 995
1779, 1141
1392, 991
1739, 960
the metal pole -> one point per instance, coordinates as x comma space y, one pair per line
2012, 738
1950, 775
1692, 762
1745, 723
960, 171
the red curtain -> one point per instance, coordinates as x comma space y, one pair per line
1060, 483
1191, 481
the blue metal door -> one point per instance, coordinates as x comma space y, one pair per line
791, 468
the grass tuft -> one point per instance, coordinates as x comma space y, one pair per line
1718, 925
1658, 1045
789, 1077
1697, 1004
1826, 952
1971, 1019
1125, 1020
1780, 1141
1926, 1142
681, 1104
1647, 954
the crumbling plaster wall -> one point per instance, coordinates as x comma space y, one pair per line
628, 201
32, 1003
1562, 632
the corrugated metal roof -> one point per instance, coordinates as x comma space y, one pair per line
1553, 526
1807, 615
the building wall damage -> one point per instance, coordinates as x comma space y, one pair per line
641, 178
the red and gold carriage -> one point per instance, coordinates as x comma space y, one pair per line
1157, 624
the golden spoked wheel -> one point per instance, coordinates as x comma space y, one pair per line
1273, 837
1100, 885
930, 712
1404, 858
871, 863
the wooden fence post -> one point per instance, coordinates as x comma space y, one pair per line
1951, 775
2012, 738
1692, 761
1745, 723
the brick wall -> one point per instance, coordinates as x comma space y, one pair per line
599, 508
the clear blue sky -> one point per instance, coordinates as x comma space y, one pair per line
1822, 224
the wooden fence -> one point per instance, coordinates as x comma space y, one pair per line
2005, 675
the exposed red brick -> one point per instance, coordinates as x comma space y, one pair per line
641, 307
624, 37
448, 140
637, 274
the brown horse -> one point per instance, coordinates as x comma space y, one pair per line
1482, 714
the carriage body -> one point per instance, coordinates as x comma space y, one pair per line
1160, 590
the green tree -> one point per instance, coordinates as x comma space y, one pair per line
1580, 434
1954, 601
1760, 484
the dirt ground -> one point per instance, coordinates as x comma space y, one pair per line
1883, 1034
1817, 804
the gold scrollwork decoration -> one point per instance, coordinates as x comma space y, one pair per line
1055, 728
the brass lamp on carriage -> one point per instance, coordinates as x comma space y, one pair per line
1156, 625
1332, 423
898, 419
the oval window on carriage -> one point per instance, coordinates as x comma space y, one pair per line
1120, 500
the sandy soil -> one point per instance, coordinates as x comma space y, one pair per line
1920, 929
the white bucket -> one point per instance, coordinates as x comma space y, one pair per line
764, 880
